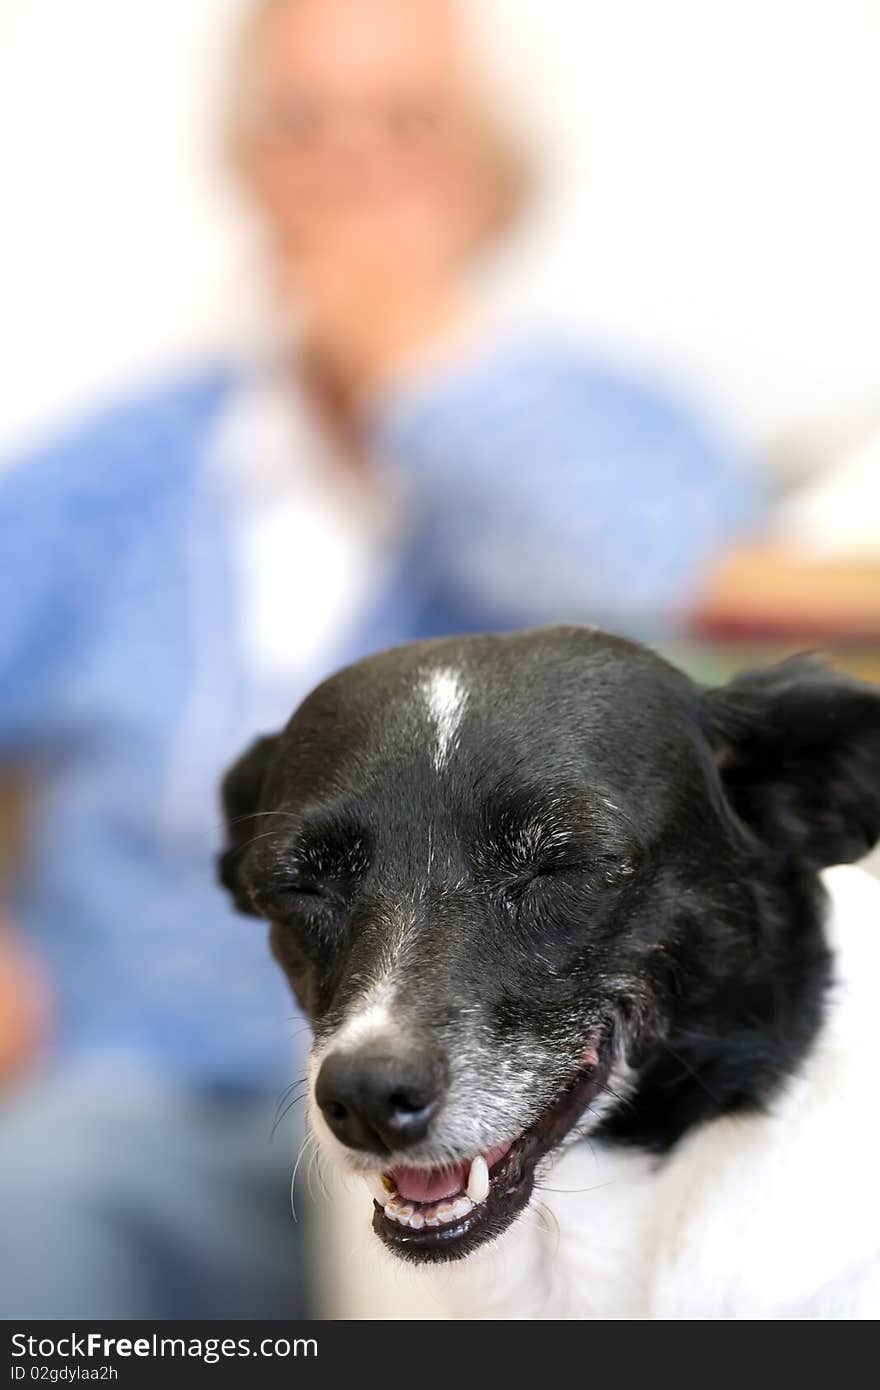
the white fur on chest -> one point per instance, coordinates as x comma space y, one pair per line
760, 1216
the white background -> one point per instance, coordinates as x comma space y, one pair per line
722, 214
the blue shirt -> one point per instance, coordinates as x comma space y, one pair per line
537, 488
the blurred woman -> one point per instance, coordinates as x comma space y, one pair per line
183, 567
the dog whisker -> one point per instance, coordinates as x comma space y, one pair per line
309, 1139
313, 1168
573, 1191
291, 1105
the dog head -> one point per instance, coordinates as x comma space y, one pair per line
525, 886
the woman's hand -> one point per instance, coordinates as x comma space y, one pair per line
24, 1011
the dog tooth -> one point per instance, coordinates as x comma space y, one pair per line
377, 1188
417, 1221
461, 1207
478, 1180
444, 1212
431, 1217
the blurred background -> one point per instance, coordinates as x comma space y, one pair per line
329, 324
716, 209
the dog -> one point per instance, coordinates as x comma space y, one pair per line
594, 1014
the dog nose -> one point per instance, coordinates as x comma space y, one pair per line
380, 1102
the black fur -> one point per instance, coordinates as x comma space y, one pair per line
610, 850
240, 797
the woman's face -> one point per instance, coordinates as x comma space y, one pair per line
364, 106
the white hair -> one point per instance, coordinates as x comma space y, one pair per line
514, 71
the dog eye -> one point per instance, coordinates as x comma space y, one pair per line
588, 875
307, 896
311, 893
305, 889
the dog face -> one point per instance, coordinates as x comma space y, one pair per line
510, 878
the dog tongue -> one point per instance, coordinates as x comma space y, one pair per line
429, 1184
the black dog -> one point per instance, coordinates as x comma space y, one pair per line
541, 886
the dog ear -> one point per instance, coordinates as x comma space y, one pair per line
798, 749
240, 794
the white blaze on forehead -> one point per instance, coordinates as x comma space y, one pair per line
445, 696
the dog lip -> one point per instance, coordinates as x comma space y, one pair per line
512, 1174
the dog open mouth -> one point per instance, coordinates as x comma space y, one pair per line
447, 1213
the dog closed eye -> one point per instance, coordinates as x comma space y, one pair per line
587, 876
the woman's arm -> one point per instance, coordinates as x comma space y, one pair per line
559, 489
23, 1008
766, 586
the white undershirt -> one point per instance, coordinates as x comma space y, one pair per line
311, 551
311, 541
